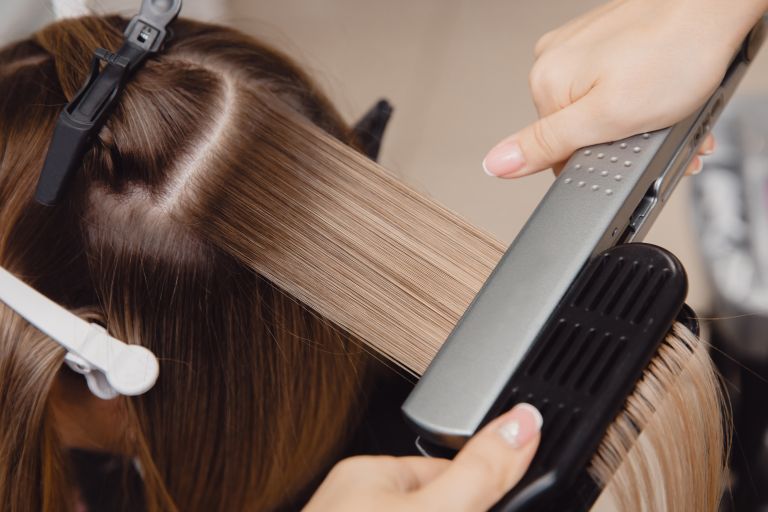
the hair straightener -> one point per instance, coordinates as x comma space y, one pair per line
571, 316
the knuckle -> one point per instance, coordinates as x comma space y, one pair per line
542, 76
342, 467
543, 43
351, 465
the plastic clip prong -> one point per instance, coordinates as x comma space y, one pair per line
110, 366
149, 28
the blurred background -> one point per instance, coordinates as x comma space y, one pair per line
456, 72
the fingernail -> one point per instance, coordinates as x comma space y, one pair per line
486, 171
505, 159
521, 425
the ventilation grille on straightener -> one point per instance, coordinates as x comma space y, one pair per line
583, 348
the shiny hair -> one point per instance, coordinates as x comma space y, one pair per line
225, 220
246, 369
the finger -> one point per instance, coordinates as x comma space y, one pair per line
489, 465
549, 140
373, 476
555, 86
556, 83
694, 167
385, 473
708, 146
413, 473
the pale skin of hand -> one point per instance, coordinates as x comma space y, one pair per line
625, 67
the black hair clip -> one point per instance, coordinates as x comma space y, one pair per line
369, 130
82, 119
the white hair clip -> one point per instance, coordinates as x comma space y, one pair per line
110, 367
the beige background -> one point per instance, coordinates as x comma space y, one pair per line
456, 71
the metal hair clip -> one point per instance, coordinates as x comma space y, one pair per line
82, 119
110, 366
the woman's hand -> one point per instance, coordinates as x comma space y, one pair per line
489, 465
627, 67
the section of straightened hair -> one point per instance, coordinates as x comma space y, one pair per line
338, 232
677, 410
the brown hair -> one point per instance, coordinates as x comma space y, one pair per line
257, 391
225, 221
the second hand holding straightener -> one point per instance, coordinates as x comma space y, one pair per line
570, 317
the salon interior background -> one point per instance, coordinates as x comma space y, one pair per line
456, 71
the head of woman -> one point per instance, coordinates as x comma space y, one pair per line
257, 390
224, 219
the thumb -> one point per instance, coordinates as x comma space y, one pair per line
488, 466
546, 142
